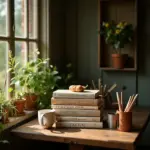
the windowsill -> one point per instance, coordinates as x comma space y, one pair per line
14, 121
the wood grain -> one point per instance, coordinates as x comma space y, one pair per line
93, 137
16, 120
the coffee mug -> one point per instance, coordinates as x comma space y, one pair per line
46, 118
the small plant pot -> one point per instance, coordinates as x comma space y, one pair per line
20, 105
30, 103
5, 116
125, 121
118, 60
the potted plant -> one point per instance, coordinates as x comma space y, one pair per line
18, 100
117, 35
36, 79
5, 107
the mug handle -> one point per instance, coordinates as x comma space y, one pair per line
42, 119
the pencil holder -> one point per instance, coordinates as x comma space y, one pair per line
125, 121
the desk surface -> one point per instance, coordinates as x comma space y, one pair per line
93, 137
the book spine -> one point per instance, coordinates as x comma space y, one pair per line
79, 102
78, 119
75, 107
78, 113
97, 125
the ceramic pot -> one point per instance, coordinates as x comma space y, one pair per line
125, 121
20, 105
5, 116
30, 103
118, 60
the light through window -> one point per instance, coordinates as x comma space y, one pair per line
18, 32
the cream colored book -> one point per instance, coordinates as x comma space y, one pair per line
90, 94
75, 107
79, 102
97, 125
78, 119
78, 113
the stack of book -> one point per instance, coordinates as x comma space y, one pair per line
78, 109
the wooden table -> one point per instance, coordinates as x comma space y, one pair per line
77, 138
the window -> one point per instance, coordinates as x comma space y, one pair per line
19, 28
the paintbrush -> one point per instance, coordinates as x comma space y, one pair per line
111, 89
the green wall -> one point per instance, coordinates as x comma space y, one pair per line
85, 30
78, 26
82, 49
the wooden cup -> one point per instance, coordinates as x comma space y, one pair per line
125, 121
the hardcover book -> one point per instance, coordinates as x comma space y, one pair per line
78, 113
91, 94
97, 125
75, 107
73, 101
78, 119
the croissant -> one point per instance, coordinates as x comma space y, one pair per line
76, 88
72, 88
79, 88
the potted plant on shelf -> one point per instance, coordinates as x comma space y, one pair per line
117, 35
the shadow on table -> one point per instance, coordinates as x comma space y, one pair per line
61, 131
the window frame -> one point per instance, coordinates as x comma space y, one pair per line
10, 37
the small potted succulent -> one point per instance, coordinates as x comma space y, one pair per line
117, 35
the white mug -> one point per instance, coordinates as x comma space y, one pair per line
46, 118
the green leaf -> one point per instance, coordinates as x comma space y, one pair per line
10, 89
9, 70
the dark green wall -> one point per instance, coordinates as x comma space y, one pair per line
57, 32
77, 35
85, 46
82, 49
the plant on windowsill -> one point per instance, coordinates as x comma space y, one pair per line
5, 107
117, 35
18, 100
36, 79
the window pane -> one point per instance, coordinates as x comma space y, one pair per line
33, 23
33, 51
21, 52
3, 67
20, 18
3, 16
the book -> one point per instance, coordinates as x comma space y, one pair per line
69, 94
75, 107
78, 113
78, 119
98, 125
79, 102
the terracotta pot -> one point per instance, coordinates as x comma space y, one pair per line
30, 102
125, 121
5, 116
118, 60
20, 105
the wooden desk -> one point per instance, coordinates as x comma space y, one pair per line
77, 138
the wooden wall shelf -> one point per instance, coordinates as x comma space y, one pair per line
113, 69
117, 10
